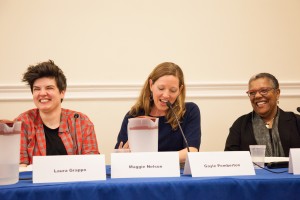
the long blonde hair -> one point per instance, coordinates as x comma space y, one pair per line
144, 102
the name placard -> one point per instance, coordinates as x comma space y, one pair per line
229, 163
145, 164
47, 169
294, 161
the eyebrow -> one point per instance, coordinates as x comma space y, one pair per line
37, 86
172, 88
262, 88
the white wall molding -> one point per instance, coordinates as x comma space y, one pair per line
119, 91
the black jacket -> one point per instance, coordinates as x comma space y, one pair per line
241, 132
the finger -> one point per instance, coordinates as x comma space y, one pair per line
126, 145
121, 145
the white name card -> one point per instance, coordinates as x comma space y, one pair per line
145, 164
47, 169
294, 161
229, 163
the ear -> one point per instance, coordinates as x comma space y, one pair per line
150, 84
62, 94
277, 94
180, 89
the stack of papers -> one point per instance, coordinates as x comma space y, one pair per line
276, 159
25, 169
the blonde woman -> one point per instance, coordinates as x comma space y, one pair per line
166, 84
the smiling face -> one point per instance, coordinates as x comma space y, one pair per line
264, 105
164, 89
46, 95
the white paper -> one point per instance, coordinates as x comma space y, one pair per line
68, 168
229, 163
276, 159
28, 168
147, 164
294, 162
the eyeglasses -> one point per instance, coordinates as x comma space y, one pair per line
262, 91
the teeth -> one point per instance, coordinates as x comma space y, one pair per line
44, 100
260, 103
164, 101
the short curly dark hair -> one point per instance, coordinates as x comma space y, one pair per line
45, 69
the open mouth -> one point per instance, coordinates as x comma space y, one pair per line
44, 100
164, 101
261, 103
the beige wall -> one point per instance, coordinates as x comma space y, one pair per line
107, 48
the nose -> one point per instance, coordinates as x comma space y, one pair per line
42, 91
257, 93
166, 94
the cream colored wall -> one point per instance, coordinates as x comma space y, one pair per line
108, 44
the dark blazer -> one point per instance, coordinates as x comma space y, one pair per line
241, 133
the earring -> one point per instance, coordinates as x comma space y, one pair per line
151, 96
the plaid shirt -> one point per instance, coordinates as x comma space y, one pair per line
77, 135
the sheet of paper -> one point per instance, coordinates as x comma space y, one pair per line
276, 159
25, 169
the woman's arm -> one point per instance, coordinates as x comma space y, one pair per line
183, 153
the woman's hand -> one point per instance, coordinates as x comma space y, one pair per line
125, 146
183, 153
5, 121
22, 165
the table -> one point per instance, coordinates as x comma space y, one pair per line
264, 185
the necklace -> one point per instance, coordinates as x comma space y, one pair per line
269, 122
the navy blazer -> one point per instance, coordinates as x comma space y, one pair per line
241, 133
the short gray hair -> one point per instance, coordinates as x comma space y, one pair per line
265, 75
